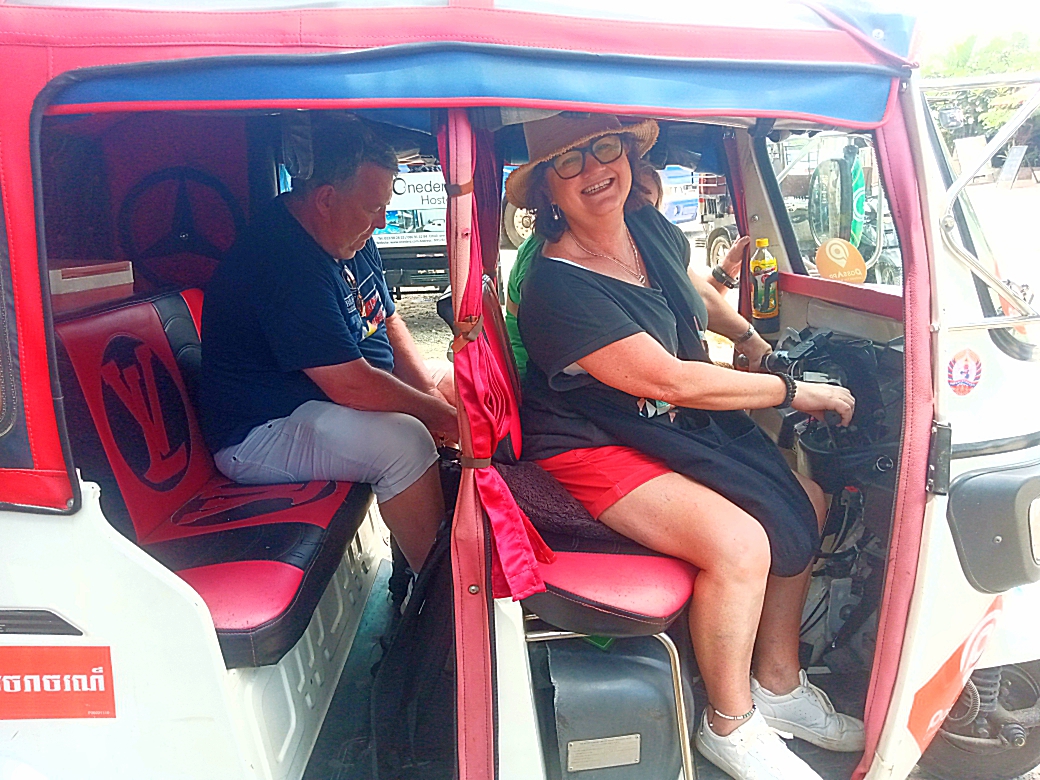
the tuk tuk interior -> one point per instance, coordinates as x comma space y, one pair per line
145, 174
166, 192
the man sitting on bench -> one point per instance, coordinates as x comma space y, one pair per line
307, 370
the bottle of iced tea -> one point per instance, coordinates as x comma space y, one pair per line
765, 301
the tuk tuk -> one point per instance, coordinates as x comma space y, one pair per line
160, 621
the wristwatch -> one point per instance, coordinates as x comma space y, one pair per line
747, 334
724, 278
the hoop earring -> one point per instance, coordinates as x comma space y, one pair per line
555, 213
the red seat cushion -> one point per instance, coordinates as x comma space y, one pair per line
613, 594
231, 593
259, 555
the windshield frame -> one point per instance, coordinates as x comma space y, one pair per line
1001, 328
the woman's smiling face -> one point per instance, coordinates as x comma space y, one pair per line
600, 188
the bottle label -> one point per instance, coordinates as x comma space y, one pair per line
764, 280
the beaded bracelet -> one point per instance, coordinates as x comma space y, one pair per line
792, 390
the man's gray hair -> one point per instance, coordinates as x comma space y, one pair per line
340, 145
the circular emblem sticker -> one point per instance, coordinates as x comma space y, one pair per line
964, 372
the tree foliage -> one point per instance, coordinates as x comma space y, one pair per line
985, 111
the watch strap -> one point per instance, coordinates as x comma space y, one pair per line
724, 278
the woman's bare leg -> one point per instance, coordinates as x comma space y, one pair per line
676, 516
776, 648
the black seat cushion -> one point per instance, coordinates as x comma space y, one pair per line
549, 506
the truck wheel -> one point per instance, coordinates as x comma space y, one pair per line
519, 224
948, 759
718, 244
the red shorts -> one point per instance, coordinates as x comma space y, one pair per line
599, 476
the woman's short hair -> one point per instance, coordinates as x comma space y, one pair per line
551, 226
340, 145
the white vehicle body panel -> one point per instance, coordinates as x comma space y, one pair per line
176, 704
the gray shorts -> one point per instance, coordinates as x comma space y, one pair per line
323, 440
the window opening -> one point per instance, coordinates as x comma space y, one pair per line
831, 188
284, 179
1002, 280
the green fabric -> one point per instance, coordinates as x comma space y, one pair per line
524, 254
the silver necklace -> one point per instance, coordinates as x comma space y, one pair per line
611, 258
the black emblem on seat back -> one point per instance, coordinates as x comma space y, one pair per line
146, 412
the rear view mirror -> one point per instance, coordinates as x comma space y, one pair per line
951, 118
830, 201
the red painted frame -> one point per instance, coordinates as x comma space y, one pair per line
852, 296
39, 43
908, 212
318, 29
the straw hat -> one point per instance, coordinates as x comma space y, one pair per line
549, 137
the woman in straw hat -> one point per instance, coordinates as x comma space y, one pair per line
623, 407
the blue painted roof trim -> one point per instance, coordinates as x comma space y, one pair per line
841, 92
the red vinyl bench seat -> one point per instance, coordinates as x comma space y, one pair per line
260, 556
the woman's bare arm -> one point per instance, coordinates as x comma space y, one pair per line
727, 321
722, 318
640, 366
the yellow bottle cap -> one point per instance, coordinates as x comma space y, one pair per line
760, 242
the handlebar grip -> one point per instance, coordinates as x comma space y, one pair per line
742, 362
831, 418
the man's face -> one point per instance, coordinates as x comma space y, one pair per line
357, 210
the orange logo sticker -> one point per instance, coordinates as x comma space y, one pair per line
935, 699
839, 260
56, 682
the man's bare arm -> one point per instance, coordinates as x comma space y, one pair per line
409, 365
359, 385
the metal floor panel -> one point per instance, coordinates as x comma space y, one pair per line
342, 749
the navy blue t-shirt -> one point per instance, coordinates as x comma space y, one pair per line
277, 304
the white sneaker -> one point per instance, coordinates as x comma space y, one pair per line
752, 752
807, 713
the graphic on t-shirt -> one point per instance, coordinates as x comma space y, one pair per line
372, 313
648, 408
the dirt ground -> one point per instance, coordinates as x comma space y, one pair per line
431, 333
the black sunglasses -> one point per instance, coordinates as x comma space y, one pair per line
606, 149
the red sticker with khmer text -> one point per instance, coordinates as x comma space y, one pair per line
56, 682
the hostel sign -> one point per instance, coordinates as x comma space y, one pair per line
417, 211
415, 191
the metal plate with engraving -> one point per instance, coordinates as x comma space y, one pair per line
602, 753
